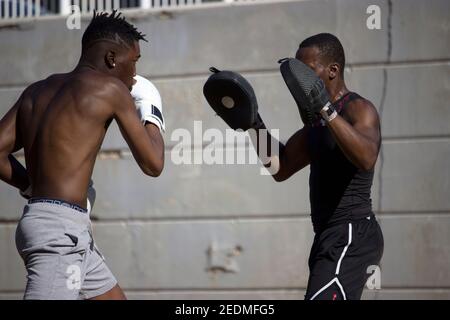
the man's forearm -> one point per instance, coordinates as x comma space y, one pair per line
13, 173
157, 142
267, 147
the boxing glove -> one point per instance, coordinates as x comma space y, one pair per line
148, 102
308, 90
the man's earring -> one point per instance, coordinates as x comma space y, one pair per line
114, 65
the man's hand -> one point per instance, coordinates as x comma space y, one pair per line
148, 102
308, 90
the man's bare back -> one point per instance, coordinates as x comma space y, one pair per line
62, 122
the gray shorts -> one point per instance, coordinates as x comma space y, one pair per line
55, 242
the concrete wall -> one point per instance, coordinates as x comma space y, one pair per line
157, 233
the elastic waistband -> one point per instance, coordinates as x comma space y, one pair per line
58, 202
318, 228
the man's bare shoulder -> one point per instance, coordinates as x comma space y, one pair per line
25, 101
99, 83
99, 94
35, 87
361, 108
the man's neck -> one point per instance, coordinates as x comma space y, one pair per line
87, 63
337, 90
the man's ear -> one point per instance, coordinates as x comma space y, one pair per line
333, 70
110, 59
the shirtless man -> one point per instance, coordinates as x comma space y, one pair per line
61, 122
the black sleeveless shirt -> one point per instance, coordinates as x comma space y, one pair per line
339, 191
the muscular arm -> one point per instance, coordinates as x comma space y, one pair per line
11, 171
360, 137
292, 157
145, 142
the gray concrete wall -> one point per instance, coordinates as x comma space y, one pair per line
156, 233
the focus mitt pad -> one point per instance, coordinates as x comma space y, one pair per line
233, 99
306, 87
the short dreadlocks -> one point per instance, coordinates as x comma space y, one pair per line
110, 27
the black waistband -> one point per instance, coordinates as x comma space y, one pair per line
58, 202
319, 228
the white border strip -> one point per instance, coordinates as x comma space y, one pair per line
335, 279
345, 249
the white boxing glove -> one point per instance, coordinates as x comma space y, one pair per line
148, 102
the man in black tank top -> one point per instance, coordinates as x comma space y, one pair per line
341, 149
339, 190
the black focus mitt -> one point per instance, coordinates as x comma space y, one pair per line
232, 97
307, 88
